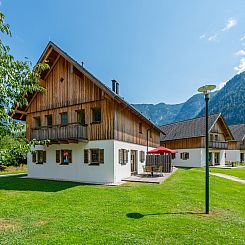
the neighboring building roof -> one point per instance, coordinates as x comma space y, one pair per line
238, 131
94, 79
192, 128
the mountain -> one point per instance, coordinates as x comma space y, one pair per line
160, 113
230, 101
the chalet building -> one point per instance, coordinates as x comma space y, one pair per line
95, 135
188, 139
236, 147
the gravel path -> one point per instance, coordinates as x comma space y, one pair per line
230, 177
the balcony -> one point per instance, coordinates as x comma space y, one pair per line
218, 144
73, 132
242, 146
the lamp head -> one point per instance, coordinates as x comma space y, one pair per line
206, 89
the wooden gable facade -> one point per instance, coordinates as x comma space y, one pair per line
70, 90
219, 134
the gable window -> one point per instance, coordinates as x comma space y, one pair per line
64, 118
123, 156
37, 122
140, 128
211, 137
49, 119
94, 156
39, 157
66, 157
96, 115
81, 117
216, 137
142, 156
184, 155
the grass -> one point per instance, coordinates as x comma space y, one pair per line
238, 172
14, 170
49, 212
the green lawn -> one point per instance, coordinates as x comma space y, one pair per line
14, 170
238, 172
49, 212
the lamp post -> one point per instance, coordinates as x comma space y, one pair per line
206, 91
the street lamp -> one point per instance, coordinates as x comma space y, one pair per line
206, 90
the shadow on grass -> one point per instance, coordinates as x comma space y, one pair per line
139, 215
21, 184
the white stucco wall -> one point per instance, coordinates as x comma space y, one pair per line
77, 170
109, 172
196, 158
233, 155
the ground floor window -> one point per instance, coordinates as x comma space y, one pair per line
184, 155
39, 157
142, 156
242, 157
94, 156
123, 156
64, 157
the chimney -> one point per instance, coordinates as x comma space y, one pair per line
115, 86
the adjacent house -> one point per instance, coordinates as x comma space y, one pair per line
236, 148
95, 135
188, 138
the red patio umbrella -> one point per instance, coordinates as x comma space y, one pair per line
160, 150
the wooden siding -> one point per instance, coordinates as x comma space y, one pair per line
189, 143
68, 90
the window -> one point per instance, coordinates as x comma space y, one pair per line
96, 115
211, 137
140, 128
184, 155
150, 134
39, 157
123, 156
216, 137
49, 119
66, 157
64, 118
81, 117
142, 156
57, 156
94, 156
173, 155
37, 121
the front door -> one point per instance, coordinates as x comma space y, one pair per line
133, 162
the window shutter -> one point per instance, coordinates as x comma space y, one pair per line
57, 156
44, 156
86, 160
34, 157
101, 155
125, 156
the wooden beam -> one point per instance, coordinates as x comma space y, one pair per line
47, 54
50, 68
72, 141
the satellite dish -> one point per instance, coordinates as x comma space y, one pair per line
206, 89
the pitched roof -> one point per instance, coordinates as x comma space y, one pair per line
191, 128
238, 131
53, 47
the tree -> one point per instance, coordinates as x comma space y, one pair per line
17, 78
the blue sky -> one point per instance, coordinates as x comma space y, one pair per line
159, 51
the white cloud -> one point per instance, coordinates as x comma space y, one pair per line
230, 24
202, 36
213, 38
221, 85
240, 52
241, 67
242, 38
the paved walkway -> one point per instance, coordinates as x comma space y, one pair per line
230, 177
155, 179
11, 175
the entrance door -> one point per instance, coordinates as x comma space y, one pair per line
216, 158
133, 162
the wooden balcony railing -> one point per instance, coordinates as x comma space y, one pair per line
69, 132
218, 144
